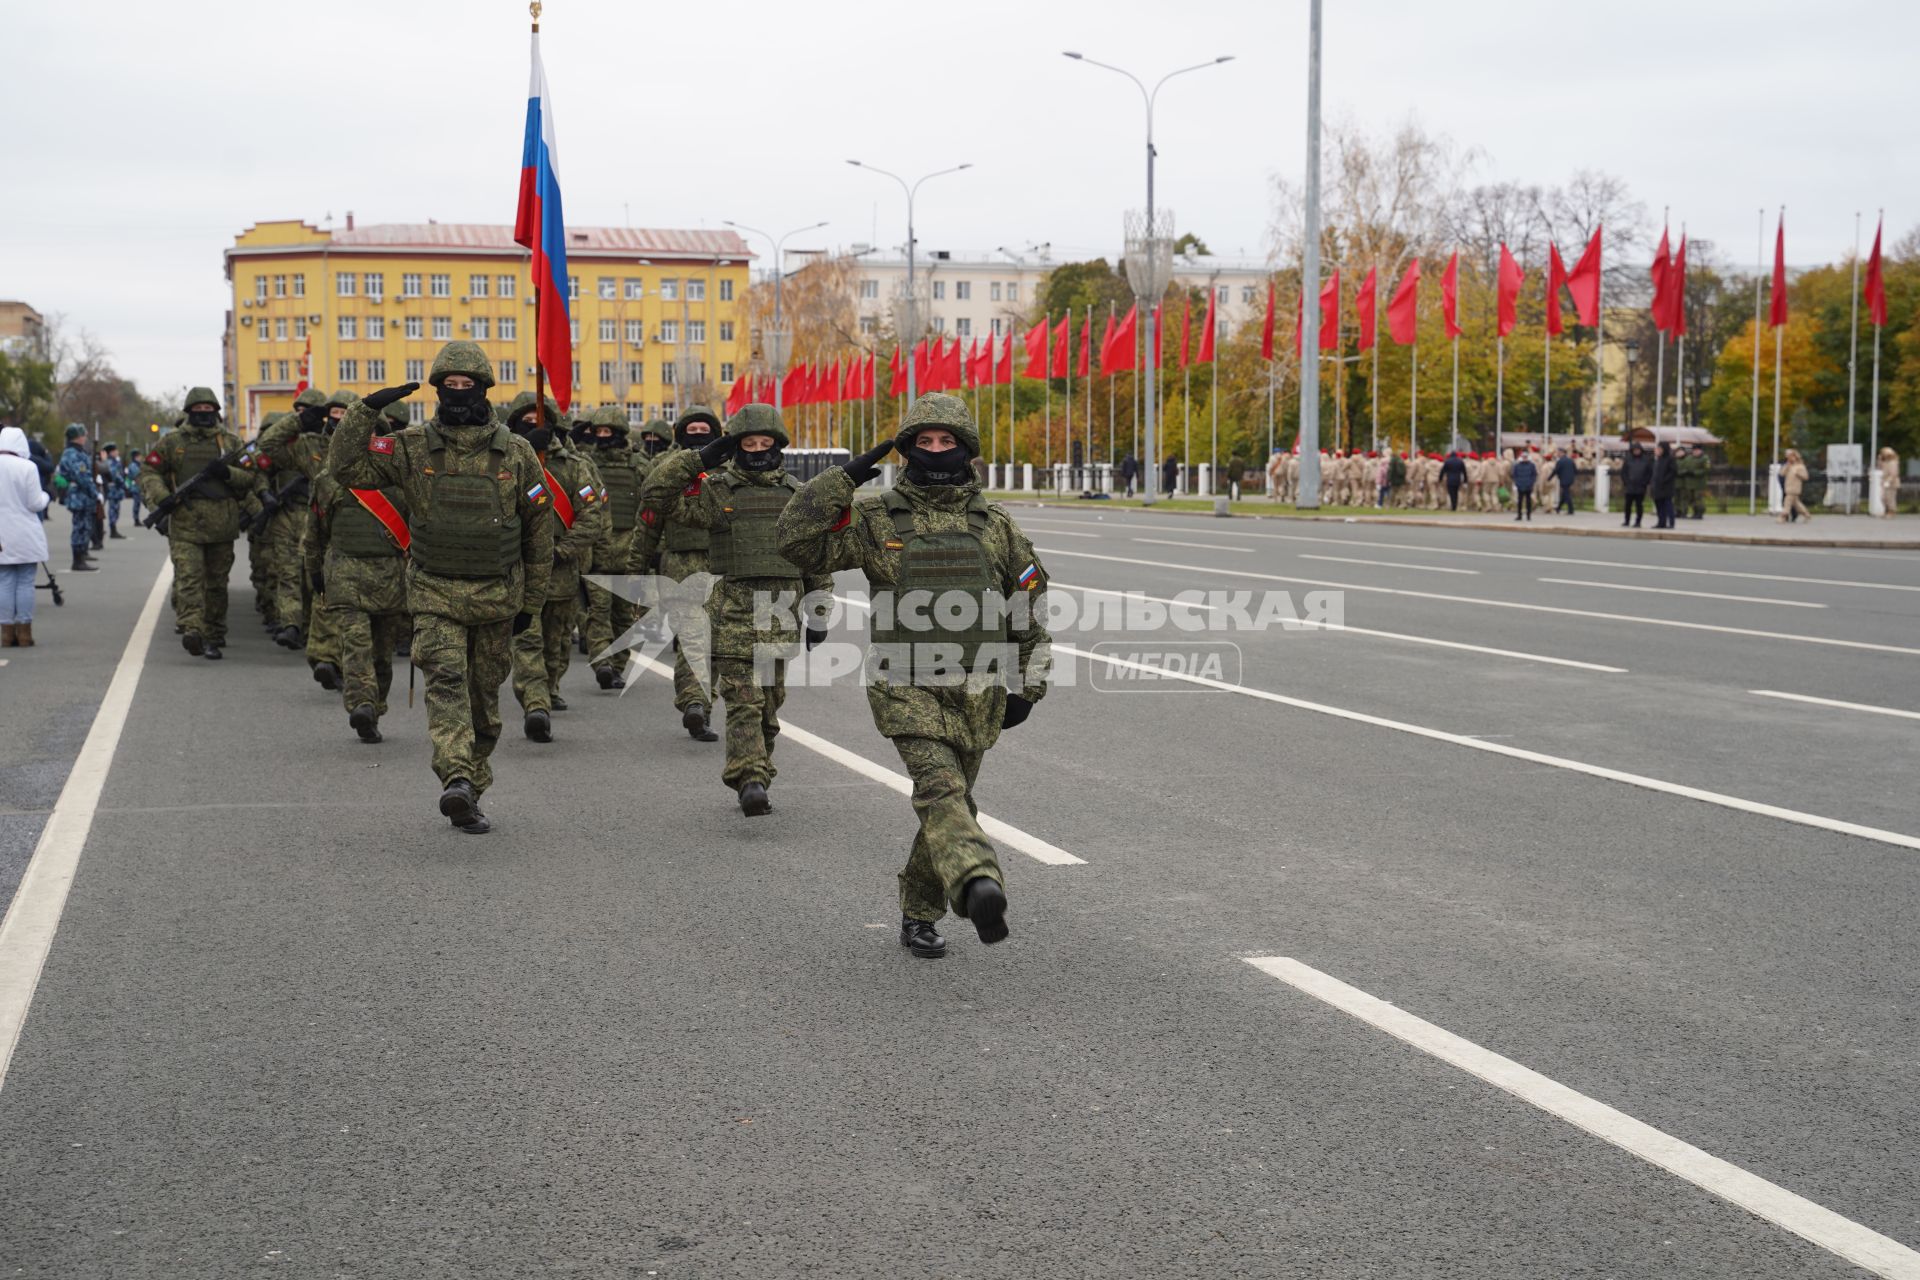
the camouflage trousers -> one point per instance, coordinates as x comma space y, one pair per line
753, 719
949, 849
323, 632
200, 572
258, 575
366, 645
464, 667
609, 615
542, 653
279, 551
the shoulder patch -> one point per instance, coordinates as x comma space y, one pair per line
846, 518
154, 459
380, 444
693, 490
649, 517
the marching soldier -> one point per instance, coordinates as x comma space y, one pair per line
935, 532
195, 496
1690, 489
682, 551
480, 555
622, 470
280, 456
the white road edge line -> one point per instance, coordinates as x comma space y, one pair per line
1834, 702
1003, 832
1896, 838
1815, 1223
1390, 564
26, 935
1674, 591
1204, 546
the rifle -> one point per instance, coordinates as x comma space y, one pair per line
156, 517
278, 500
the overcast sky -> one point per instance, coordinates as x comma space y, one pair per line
141, 137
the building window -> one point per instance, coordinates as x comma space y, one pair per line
636, 372
573, 330
416, 371
349, 371
281, 367
413, 327
576, 373
573, 289
410, 284
939, 324
300, 285
726, 371
939, 290
376, 286
996, 326
635, 288
1220, 295
867, 324
726, 331
266, 367
482, 329
376, 329
993, 292
505, 284
608, 288
349, 328
1219, 330
376, 371
636, 333
726, 291
636, 414
1246, 295
696, 331
280, 330
509, 371
279, 286
963, 326
669, 331
669, 290
260, 287
666, 373
696, 291
477, 285
606, 371
609, 330
345, 283
442, 328
869, 289
299, 328
440, 285
1013, 291
962, 290
416, 411
509, 329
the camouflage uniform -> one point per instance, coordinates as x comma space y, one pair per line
1690, 489
709, 500
623, 469
543, 651
462, 621
943, 732
201, 531
282, 456
681, 550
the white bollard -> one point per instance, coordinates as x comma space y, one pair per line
1876, 495
1206, 477
886, 475
1026, 476
1776, 493
1601, 487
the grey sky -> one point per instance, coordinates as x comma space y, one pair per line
142, 137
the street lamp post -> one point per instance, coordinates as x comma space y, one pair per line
781, 348
913, 299
1633, 358
1150, 275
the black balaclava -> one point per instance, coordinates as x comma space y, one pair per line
202, 417
312, 418
926, 467
465, 406
541, 438
685, 441
765, 460
654, 445
616, 440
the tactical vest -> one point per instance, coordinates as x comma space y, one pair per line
469, 529
622, 479
357, 532
747, 545
196, 451
937, 563
681, 537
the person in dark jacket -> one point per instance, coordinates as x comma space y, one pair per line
1129, 468
1666, 477
1453, 473
43, 463
1636, 476
1169, 473
1565, 472
1524, 476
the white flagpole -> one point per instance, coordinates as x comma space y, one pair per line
1066, 440
1186, 404
1660, 339
1873, 405
1086, 338
1778, 339
1853, 344
1546, 390
1213, 456
1373, 383
1454, 440
1680, 374
1413, 407
1499, 393
1753, 443
1047, 367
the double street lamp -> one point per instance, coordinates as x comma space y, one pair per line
779, 341
913, 299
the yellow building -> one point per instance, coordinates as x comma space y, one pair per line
657, 324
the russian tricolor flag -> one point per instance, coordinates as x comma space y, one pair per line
540, 226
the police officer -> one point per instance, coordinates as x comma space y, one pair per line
682, 552
202, 526
935, 532
481, 553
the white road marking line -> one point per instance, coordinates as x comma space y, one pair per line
1003, 832
1834, 702
27, 932
1859, 1245
1072, 533
1456, 644
1204, 546
1720, 799
1389, 564
1673, 591
1054, 584
1496, 604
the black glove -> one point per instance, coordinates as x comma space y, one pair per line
387, 395
867, 465
1018, 709
318, 582
815, 635
218, 469
719, 451
521, 621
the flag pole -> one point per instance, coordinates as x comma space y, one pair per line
1213, 402
1413, 395
1113, 395
1753, 439
1680, 341
1778, 340
1046, 321
1660, 338
1374, 381
1066, 439
1499, 390
1873, 408
1853, 345
1454, 441
1086, 342
1186, 403
1546, 387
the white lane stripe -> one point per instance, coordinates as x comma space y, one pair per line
1834, 702
1204, 546
1005, 833
1390, 564
1054, 584
1456, 644
1496, 604
1724, 801
1672, 591
1859, 1245
1073, 533
27, 932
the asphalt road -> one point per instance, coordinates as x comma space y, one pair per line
291, 1020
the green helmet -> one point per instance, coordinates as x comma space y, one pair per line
461, 357
524, 401
610, 415
758, 420
695, 415
312, 397
937, 410
658, 427
200, 395
342, 399
397, 413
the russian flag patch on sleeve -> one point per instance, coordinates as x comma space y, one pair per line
1030, 577
537, 494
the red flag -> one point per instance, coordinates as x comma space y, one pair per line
921, 366
1206, 337
1874, 291
1159, 337
1777, 304
1450, 297
1556, 278
847, 383
1364, 303
1677, 291
736, 395
896, 373
1036, 344
952, 375
1060, 364
1124, 337
1403, 309
1086, 349
1511, 278
1004, 374
1662, 265
1583, 282
793, 385
980, 363
1106, 346
1330, 313
1266, 330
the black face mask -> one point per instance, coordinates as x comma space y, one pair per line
609, 442
653, 445
202, 417
464, 407
948, 466
541, 438
765, 460
312, 418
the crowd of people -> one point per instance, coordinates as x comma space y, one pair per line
89, 480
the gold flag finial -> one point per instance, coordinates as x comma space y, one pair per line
533, 7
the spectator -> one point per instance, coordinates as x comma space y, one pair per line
117, 482
1453, 472
1635, 478
1565, 472
1129, 468
1887, 476
43, 463
1525, 474
1383, 478
23, 537
1169, 473
82, 495
1792, 480
1666, 481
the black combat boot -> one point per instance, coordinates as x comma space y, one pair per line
115, 533
605, 676
460, 806
81, 564
289, 637
987, 908
753, 800
559, 703
327, 676
694, 721
920, 937
213, 651
538, 726
193, 643
365, 722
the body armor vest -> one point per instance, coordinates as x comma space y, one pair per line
357, 532
935, 564
470, 529
196, 451
747, 545
622, 479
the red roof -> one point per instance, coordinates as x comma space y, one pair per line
637, 241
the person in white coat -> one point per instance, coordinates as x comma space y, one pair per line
23, 538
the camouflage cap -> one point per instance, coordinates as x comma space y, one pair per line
461, 357
312, 397
758, 420
342, 399
200, 395
937, 410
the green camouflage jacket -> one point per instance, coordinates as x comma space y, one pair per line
197, 519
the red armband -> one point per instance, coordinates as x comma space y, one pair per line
846, 518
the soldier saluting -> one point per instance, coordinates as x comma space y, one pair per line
481, 553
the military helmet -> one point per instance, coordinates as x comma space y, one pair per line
609, 415
397, 413
658, 427
312, 397
937, 410
342, 399
200, 395
524, 401
758, 420
461, 357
